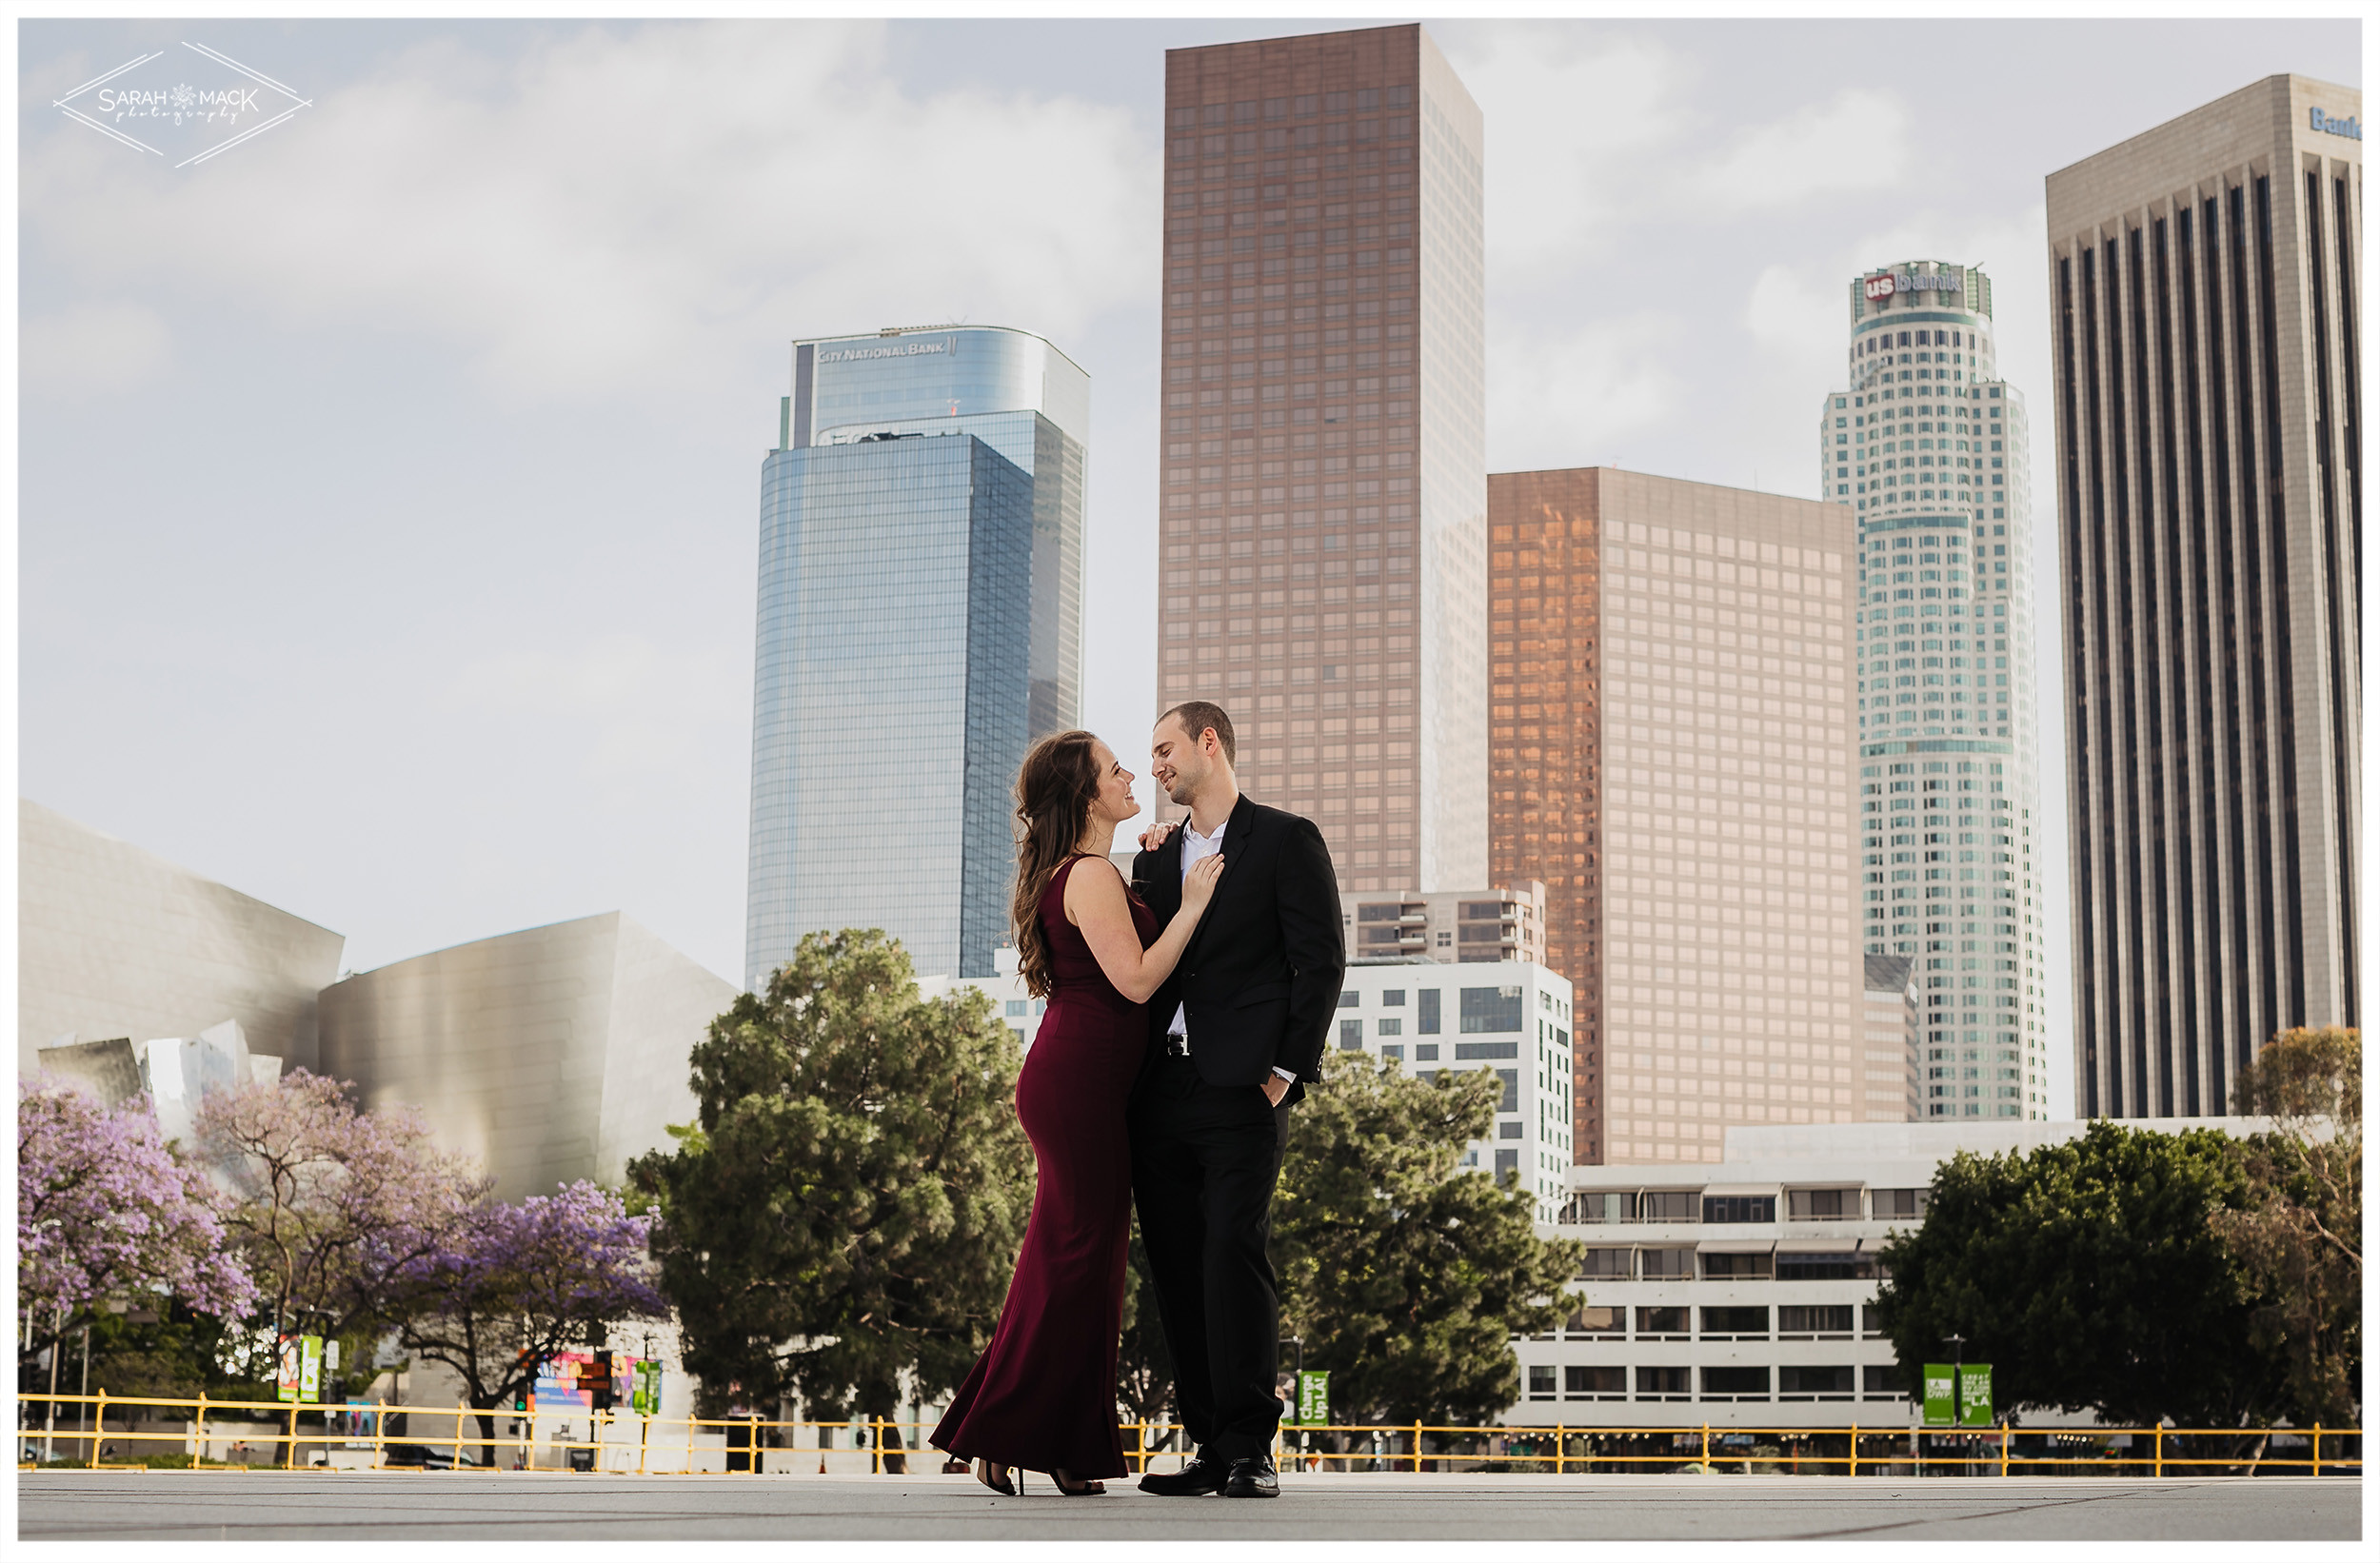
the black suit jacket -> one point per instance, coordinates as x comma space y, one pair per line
1260, 977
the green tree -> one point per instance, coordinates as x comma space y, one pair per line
844, 1213
2298, 1232
2087, 1275
1407, 1279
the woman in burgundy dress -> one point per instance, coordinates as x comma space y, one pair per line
1042, 1396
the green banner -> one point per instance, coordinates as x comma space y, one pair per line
1314, 1399
1959, 1396
644, 1400
1974, 1395
1941, 1396
309, 1369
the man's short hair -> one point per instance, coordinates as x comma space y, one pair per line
1196, 715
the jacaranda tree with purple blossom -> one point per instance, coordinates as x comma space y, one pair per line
517, 1282
105, 1210
335, 1211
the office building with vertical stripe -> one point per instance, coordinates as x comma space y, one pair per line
2203, 284
1324, 478
1926, 445
1671, 740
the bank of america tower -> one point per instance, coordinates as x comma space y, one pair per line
1927, 444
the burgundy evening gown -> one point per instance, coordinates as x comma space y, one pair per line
1042, 1396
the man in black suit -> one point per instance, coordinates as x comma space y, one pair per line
1234, 1033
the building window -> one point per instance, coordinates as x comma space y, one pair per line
1670, 1206
1350, 1034
1662, 1324
1826, 1267
1018, 1006
1822, 1204
1739, 1207
1597, 1209
1605, 1264
1491, 1009
1392, 998
1507, 1161
1540, 1381
1804, 1323
1591, 1320
1883, 1382
1899, 1204
1391, 1026
1734, 1324
1350, 999
1735, 1383
1662, 1383
1675, 1264
1734, 1266
1426, 1023
1808, 1383
1594, 1383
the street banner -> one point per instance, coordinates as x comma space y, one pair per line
1314, 1398
1974, 1395
557, 1381
1941, 1396
646, 1398
288, 1376
311, 1368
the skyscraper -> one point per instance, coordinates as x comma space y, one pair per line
1927, 446
921, 598
1670, 705
2202, 280
1324, 472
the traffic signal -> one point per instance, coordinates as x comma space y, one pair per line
599, 1383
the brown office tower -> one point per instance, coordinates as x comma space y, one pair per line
2205, 319
1324, 477
1671, 736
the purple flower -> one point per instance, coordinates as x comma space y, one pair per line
105, 1209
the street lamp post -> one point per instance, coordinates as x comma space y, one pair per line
1957, 1344
1297, 1387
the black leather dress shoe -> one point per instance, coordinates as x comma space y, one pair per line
1196, 1480
1253, 1477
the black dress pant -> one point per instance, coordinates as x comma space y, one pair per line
1204, 1160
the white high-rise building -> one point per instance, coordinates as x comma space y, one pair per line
1927, 445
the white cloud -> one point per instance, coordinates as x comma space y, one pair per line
623, 710
1789, 313
1857, 141
1562, 398
617, 204
1575, 115
94, 347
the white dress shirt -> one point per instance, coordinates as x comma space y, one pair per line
1194, 847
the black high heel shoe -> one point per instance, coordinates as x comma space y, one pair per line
1004, 1487
1089, 1490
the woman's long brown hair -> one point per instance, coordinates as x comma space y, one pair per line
1055, 786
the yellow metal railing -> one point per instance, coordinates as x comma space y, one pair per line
177, 1435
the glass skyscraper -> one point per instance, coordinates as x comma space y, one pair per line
921, 623
1927, 445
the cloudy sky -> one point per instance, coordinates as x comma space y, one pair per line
388, 483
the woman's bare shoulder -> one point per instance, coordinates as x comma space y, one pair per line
1100, 892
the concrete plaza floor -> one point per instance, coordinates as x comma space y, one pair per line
412, 1506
